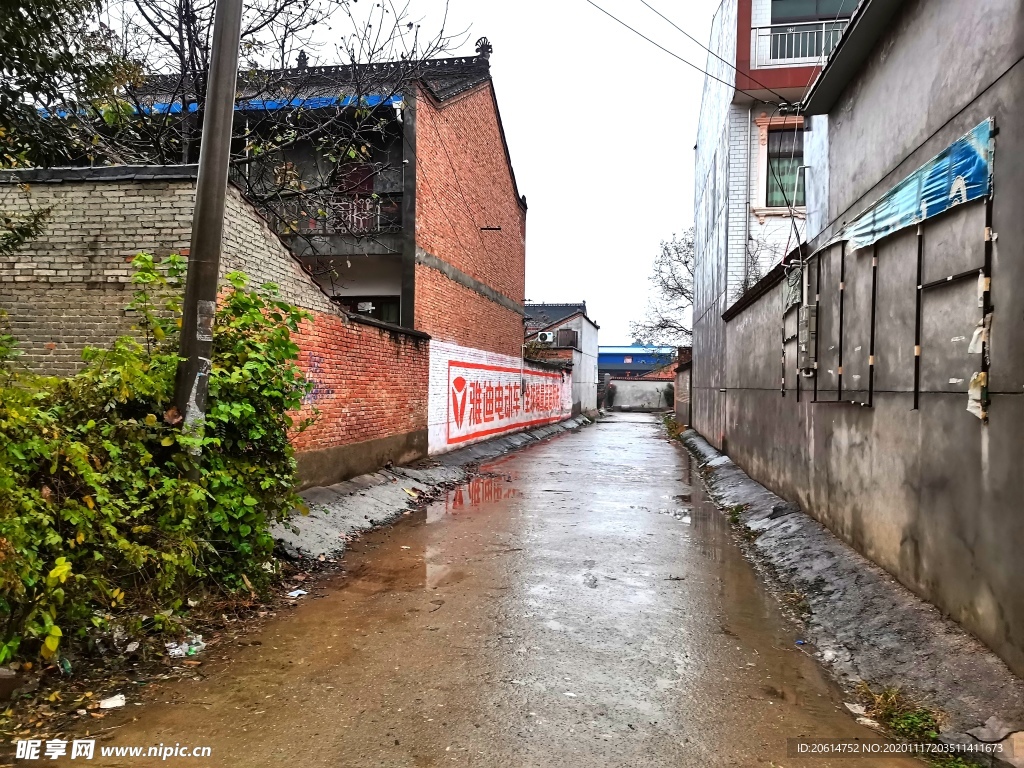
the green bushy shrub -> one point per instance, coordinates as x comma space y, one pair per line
99, 521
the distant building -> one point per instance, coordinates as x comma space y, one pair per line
573, 340
632, 361
540, 316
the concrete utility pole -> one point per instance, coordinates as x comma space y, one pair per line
200, 303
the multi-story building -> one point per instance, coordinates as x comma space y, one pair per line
752, 185
877, 376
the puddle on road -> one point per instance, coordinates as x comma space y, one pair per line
485, 489
543, 615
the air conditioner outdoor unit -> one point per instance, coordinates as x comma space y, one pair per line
546, 337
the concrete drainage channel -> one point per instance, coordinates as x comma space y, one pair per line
864, 625
339, 512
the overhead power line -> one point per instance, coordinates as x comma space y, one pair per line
698, 42
674, 54
796, 128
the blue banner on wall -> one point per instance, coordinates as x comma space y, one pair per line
960, 173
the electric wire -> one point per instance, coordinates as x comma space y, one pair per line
673, 54
724, 61
796, 129
818, 63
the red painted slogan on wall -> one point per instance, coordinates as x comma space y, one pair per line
491, 399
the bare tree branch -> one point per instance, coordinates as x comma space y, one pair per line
669, 311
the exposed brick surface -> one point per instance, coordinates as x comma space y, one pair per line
451, 312
69, 286
67, 290
370, 382
463, 183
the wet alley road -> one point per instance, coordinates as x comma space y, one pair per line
579, 608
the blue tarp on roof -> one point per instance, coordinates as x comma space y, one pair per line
309, 102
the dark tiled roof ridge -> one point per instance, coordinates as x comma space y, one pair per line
476, 68
556, 304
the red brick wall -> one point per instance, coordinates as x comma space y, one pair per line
551, 354
370, 382
463, 183
451, 312
68, 287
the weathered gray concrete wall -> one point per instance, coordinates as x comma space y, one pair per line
933, 494
682, 406
642, 395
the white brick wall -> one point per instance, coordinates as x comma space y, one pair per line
742, 146
741, 237
712, 161
760, 13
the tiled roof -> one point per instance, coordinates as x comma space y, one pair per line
443, 78
542, 315
664, 373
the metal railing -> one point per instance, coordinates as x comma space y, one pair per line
338, 214
796, 44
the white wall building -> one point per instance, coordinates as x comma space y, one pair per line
755, 188
761, 169
574, 338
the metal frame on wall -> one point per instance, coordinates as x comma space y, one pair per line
973, 152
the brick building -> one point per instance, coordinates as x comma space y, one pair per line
442, 369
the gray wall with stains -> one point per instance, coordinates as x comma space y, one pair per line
933, 495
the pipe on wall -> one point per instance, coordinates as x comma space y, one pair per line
746, 205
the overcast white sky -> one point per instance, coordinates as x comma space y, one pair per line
601, 127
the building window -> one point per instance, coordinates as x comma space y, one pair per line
780, 153
789, 11
785, 184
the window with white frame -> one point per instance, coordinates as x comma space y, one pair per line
785, 184
779, 177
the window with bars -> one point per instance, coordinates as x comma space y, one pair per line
785, 182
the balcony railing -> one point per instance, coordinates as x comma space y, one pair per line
791, 45
338, 214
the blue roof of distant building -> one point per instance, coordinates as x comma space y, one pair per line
636, 349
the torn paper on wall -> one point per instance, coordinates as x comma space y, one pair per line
980, 337
977, 345
976, 394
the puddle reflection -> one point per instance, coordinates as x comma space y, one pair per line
478, 491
